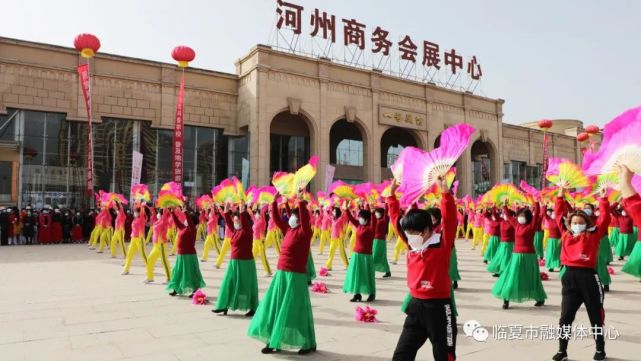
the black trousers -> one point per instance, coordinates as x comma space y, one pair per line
581, 286
4, 235
428, 319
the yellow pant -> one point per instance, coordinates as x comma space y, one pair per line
460, 230
478, 237
95, 236
149, 234
210, 241
486, 239
223, 252
324, 239
315, 235
201, 232
469, 232
171, 236
118, 239
259, 251
336, 244
159, 250
546, 235
272, 239
399, 247
105, 236
135, 245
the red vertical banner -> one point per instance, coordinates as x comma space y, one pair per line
83, 74
545, 158
178, 135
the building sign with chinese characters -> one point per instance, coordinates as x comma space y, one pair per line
372, 48
401, 118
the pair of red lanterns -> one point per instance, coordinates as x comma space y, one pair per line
88, 45
590, 130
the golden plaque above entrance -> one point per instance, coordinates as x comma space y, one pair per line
401, 118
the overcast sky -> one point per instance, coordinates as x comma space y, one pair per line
578, 59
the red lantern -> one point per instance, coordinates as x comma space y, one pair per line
582, 137
545, 124
183, 55
592, 129
87, 45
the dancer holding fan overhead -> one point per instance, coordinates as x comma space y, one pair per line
284, 317
429, 312
360, 272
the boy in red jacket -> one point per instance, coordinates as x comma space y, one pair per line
429, 312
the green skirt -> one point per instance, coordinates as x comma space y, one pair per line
538, 243
614, 236
623, 245
454, 273
360, 275
521, 281
408, 298
502, 258
492, 245
633, 265
553, 254
379, 254
239, 288
605, 251
311, 269
185, 275
284, 318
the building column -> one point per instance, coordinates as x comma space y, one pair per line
321, 133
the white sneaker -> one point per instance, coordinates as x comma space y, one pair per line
124, 273
148, 282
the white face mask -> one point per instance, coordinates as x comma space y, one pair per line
158, 216
415, 240
553, 216
623, 213
577, 229
587, 211
522, 220
186, 223
504, 217
362, 221
293, 221
136, 214
236, 226
378, 215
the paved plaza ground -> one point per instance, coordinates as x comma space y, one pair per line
64, 302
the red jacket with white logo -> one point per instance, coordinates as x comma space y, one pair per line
632, 206
428, 270
581, 251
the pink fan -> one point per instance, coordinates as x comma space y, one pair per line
529, 189
425, 167
541, 262
397, 167
319, 287
544, 276
366, 314
610, 270
620, 145
553, 165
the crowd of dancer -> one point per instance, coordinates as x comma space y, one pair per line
514, 241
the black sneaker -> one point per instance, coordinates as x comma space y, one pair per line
250, 313
387, 275
485, 261
560, 356
455, 285
506, 305
357, 298
371, 298
173, 293
599, 355
551, 270
495, 275
539, 303
606, 288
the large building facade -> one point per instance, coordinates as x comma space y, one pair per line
276, 111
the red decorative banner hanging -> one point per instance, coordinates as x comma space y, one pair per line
545, 158
178, 135
83, 74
